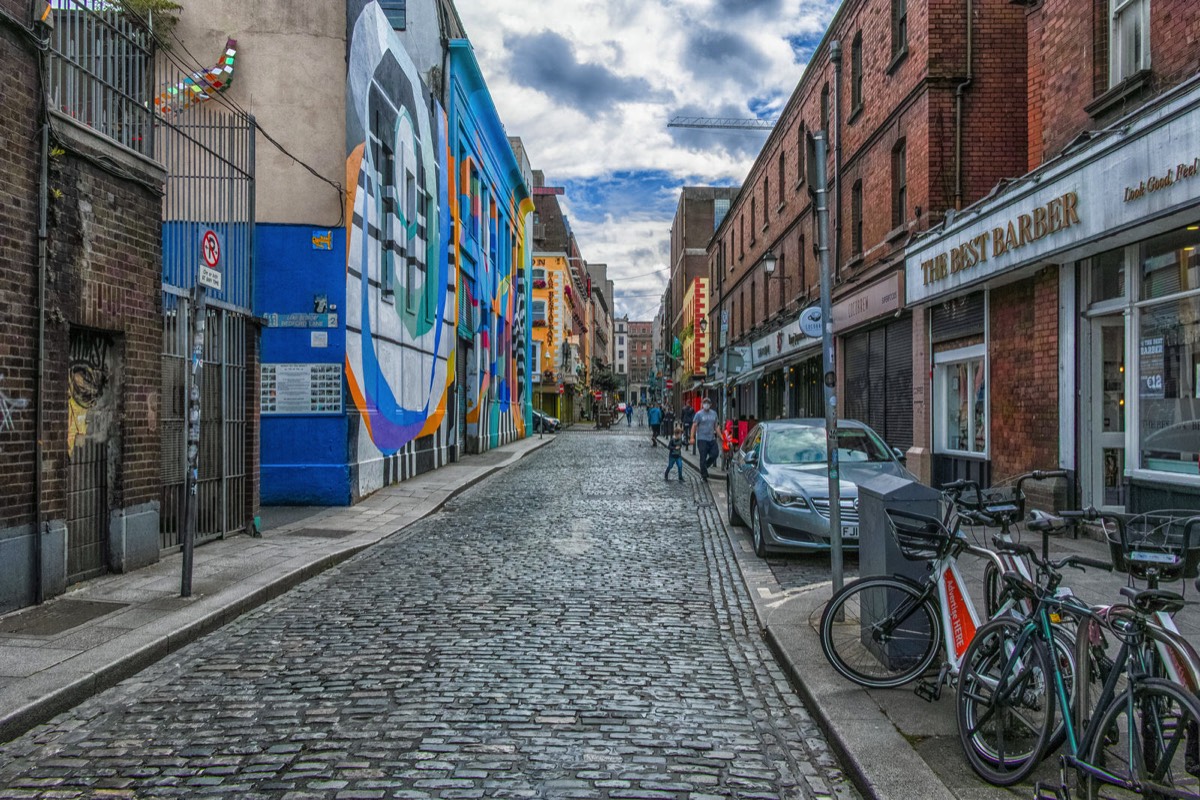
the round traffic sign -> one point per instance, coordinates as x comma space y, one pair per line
210, 249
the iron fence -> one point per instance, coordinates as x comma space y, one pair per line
101, 70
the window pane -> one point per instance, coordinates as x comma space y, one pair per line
1169, 387
1108, 276
956, 407
979, 397
1170, 263
394, 10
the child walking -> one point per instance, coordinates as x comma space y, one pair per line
675, 453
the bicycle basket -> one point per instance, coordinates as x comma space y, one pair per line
997, 500
920, 538
1154, 547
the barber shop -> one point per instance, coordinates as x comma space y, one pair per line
1061, 321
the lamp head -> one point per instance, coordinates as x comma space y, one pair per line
768, 262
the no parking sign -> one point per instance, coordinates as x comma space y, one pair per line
210, 259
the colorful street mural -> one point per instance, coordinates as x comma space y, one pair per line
399, 286
490, 203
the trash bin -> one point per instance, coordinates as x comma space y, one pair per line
878, 553
877, 550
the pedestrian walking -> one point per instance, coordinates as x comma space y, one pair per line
641, 415
654, 416
668, 420
629, 415
704, 431
675, 452
686, 417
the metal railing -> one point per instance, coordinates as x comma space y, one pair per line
101, 70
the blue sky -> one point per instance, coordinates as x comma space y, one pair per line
589, 86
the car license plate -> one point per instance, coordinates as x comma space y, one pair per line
849, 531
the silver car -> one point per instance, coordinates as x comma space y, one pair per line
778, 482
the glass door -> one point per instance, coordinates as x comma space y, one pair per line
1107, 480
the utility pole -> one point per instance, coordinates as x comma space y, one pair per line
816, 154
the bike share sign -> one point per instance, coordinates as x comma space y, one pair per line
210, 260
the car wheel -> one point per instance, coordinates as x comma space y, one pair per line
731, 511
758, 531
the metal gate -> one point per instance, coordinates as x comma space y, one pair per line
221, 486
207, 147
87, 511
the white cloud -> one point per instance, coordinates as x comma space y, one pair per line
609, 75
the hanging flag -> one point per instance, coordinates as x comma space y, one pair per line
676, 348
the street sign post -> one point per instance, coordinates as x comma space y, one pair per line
208, 276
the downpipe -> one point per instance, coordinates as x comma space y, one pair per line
959, 92
835, 55
39, 454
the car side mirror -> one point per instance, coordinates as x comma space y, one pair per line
750, 457
900, 455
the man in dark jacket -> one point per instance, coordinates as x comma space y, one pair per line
686, 417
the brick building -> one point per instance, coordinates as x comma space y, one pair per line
81, 459
923, 111
700, 210
1064, 308
641, 359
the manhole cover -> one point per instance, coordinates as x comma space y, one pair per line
57, 617
320, 533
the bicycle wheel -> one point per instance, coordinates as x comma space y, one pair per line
1148, 743
1005, 702
880, 632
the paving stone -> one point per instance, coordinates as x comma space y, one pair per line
568, 628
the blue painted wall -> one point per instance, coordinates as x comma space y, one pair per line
304, 457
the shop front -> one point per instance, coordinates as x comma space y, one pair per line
1061, 320
877, 359
778, 359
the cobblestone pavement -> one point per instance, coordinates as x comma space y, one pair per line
573, 627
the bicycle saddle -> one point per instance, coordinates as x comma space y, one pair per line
1042, 522
1150, 601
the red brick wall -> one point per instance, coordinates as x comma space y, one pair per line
1023, 374
1068, 65
18, 266
912, 98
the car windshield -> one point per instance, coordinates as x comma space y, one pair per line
806, 445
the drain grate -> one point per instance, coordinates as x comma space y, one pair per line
57, 617
321, 533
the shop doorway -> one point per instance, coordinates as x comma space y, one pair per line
1103, 447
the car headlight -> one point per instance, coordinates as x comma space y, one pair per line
790, 499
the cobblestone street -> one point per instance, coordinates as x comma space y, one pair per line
573, 627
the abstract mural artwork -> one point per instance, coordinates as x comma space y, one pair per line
399, 287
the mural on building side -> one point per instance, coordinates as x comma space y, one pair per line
399, 286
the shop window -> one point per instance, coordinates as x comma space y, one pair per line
960, 387
1168, 354
1128, 39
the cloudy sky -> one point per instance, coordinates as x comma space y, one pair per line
589, 86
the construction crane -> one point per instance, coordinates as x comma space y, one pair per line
734, 123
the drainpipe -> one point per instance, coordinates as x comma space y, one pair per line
958, 114
39, 455
835, 55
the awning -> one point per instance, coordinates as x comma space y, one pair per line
749, 376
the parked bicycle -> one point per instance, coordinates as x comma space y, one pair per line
1145, 738
885, 631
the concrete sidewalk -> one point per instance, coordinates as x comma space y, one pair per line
892, 743
54, 656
